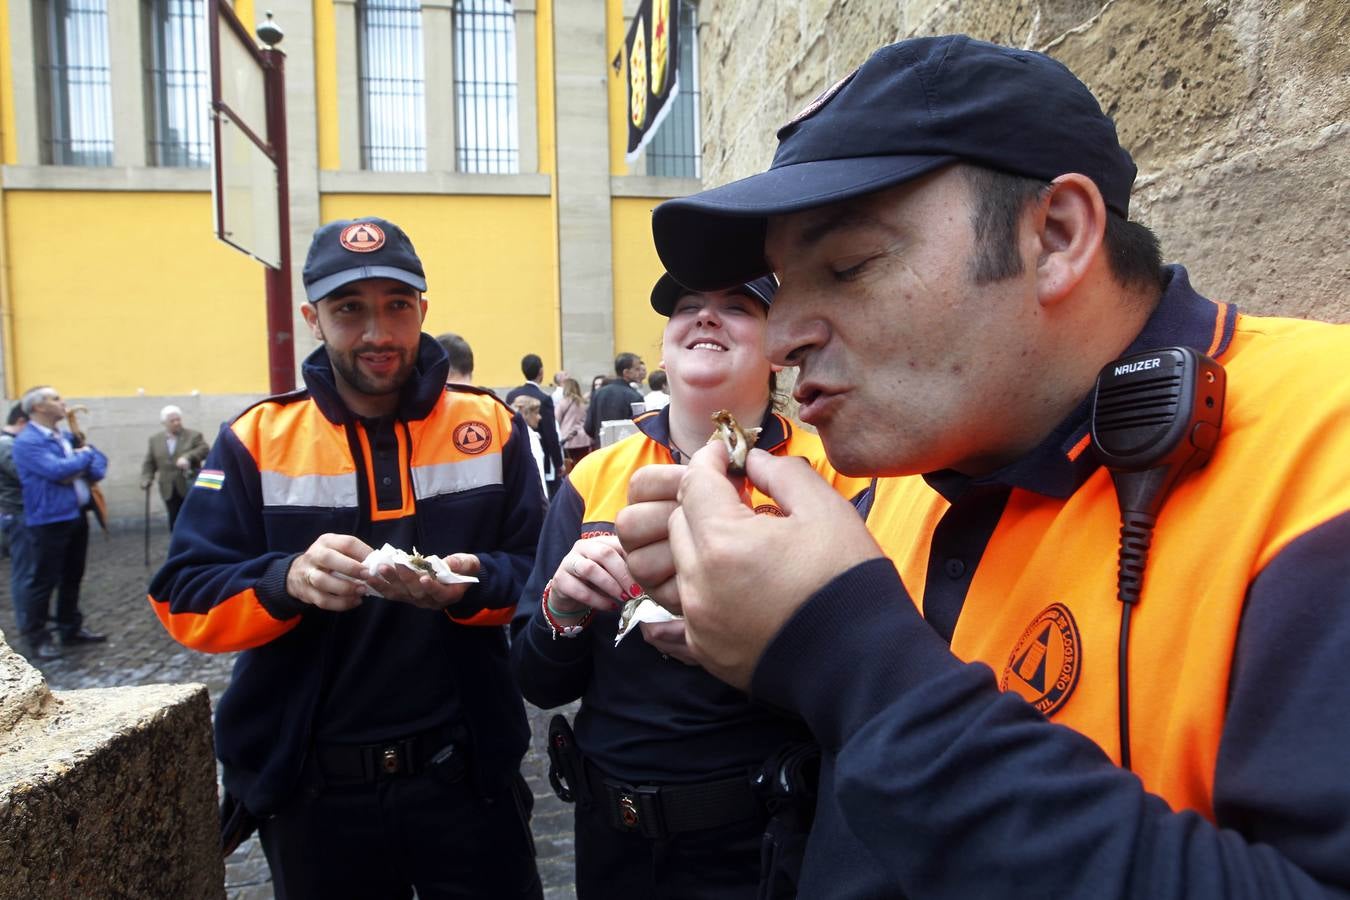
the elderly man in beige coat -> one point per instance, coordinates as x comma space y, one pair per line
175, 455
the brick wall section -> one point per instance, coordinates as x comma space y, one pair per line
1237, 113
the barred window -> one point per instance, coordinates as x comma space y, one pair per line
75, 108
675, 150
393, 91
179, 82
486, 135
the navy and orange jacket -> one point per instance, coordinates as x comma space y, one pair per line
967, 694
293, 467
643, 718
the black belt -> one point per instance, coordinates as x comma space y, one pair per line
394, 758
659, 811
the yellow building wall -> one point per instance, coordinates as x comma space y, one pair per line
9, 147
117, 291
491, 271
325, 86
618, 87
637, 327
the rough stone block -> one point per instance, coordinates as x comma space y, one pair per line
106, 793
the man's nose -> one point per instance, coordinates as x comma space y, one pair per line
790, 333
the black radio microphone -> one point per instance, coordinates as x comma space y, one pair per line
1156, 416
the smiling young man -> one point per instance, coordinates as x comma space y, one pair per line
371, 729
950, 227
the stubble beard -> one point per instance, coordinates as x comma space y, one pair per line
349, 370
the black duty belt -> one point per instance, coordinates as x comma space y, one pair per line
659, 811
394, 758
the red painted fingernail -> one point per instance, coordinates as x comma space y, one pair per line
634, 591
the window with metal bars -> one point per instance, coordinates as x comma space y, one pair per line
75, 107
393, 91
178, 82
486, 134
675, 151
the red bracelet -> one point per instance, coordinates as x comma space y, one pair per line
559, 629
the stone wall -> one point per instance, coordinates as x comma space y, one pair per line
105, 793
1237, 113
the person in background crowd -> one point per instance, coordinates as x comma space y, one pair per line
55, 478
656, 398
532, 367
461, 358
174, 455
951, 228
371, 730
596, 384
530, 410
18, 542
652, 724
559, 378
572, 424
616, 398
11, 491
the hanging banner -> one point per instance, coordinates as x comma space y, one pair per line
653, 53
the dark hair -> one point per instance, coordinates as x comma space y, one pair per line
624, 361
16, 414
1132, 250
657, 380
461, 354
531, 366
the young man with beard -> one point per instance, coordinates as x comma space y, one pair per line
371, 727
950, 228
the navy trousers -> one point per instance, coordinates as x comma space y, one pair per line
433, 831
59, 550
20, 543
713, 864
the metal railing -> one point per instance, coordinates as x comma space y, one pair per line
675, 151
486, 132
178, 75
393, 90
76, 82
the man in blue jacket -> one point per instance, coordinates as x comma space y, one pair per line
55, 478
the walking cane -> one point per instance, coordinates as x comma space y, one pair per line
147, 526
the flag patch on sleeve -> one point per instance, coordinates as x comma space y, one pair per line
211, 479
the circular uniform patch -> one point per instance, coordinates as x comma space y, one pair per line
472, 438
768, 509
363, 237
1043, 668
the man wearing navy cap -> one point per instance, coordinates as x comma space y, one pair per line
371, 730
950, 228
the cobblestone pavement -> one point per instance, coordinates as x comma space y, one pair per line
139, 651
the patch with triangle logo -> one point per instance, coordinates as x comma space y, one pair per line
1043, 668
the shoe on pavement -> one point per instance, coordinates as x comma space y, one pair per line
43, 650
83, 636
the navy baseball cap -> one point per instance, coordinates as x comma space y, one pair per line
910, 109
668, 291
354, 249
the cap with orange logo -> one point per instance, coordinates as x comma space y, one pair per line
355, 249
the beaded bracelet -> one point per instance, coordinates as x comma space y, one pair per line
559, 629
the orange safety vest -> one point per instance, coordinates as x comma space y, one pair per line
1041, 607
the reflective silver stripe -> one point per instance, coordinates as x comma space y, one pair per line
323, 491
450, 478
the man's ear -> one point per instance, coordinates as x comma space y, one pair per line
311, 314
1070, 224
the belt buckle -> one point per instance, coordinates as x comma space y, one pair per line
389, 760
628, 811
637, 809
